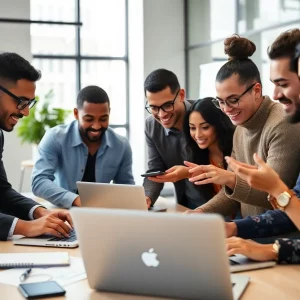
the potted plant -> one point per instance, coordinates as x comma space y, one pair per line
32, 128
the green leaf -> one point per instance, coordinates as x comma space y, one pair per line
32, 128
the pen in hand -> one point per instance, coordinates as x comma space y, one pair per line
25, 275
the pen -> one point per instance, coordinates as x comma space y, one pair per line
25, 275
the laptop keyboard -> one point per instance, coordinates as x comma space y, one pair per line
72, 237
233, 263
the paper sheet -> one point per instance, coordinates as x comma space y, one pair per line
62, 275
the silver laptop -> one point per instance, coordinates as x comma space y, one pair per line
105, 195
48, 240
170, 255
240, 263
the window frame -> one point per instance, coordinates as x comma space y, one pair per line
78, 57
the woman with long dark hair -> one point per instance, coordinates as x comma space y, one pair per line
208, 134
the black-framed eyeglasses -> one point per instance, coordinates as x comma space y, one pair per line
22, 103
231, 102
166, 107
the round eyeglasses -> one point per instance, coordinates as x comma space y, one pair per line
166, 107
21, 102
231, 102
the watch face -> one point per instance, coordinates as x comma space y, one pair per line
283, 199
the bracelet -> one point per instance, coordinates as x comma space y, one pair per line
276, 247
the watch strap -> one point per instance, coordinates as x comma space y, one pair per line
275, 203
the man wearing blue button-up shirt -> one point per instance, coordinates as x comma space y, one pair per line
84, 150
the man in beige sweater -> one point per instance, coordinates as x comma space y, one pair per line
261, 128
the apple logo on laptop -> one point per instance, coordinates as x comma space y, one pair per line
150, 258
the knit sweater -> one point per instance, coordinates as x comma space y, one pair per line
277, 142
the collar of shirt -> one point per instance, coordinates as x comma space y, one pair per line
171, 130
187, 105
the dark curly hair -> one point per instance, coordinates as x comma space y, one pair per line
160, 79
239, 49
14, 67
92, 94
284, 46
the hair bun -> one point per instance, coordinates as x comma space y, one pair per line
237, 47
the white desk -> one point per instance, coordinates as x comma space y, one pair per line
278, 283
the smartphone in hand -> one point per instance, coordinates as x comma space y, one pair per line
151, 174
157, 209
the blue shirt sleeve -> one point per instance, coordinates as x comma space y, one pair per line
43, 184
124, 174
271, 223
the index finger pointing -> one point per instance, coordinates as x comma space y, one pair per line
241, 171
69, 220
65, 216
189, 164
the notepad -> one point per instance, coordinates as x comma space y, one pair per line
31, 260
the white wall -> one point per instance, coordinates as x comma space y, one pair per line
156, 40
15, 38
164, 36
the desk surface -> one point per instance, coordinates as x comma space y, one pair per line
280, 282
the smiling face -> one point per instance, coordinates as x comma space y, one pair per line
202, 132
93, 120
9, 114
172, 118
230, 89
287, 87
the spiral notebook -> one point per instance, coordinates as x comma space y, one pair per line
31, 260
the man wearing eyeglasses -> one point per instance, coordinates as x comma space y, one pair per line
18, 214
167, 105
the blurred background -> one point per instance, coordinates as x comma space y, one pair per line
116, 43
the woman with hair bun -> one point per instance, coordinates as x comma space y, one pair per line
261, 128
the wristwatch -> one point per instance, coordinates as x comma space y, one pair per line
282, 201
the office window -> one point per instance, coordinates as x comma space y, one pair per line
53, 39
121, 131
63, 83
104, 27
256, 14
111, 76
72, 57
210, 22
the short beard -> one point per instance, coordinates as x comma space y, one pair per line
85, 134
295, 118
